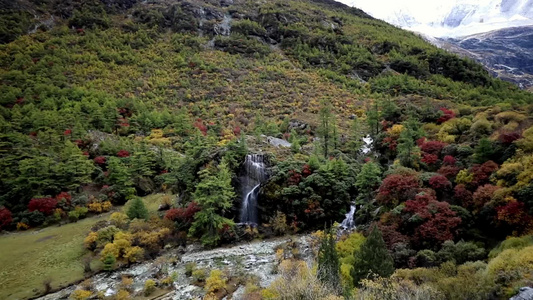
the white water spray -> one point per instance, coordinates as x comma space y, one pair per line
256, 174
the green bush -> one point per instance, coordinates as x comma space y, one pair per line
199, 275
90, 17
149, 287
248, 27
512, 243
189, 268
240, 44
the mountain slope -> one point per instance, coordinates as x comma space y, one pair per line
107, 101
507, 52
128, 68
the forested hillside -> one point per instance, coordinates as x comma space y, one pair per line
103, 102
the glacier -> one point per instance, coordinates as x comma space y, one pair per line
451, 18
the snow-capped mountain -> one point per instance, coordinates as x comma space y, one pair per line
497, 33
450, 18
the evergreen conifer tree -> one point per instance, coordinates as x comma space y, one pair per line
372, 258
355, 141
215, 196
119, 177
137, 210
483, 151
408, 151
328, 261
327, 128
109, 262
367, 180
372, 118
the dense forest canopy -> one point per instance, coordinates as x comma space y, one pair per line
103, 102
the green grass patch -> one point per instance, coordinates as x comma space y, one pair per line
151, 202
54, 253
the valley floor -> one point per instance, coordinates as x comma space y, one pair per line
55, 254
30, 258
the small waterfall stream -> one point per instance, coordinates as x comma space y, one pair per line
349, 221
256, 174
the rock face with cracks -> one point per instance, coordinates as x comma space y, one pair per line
255, 258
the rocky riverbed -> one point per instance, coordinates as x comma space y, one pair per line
256, 258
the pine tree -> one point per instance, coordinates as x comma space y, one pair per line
483, 151
355, 141
368, 180
120, 177
390, 111
137, 209
215, 196
372, 258
408, 151
328, 261
327, 129
74, 168
372, 118
109, 262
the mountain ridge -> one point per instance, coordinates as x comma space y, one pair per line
479, 30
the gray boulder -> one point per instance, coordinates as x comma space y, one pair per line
526, 293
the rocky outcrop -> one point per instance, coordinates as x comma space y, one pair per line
278, 143
526, 293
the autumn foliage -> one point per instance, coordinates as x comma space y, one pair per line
446, 115
123, 153
5, 217
183, 215
515, 215
432, 147
439, 182
435, 221
99, 160
44, 205
483, 172
396, 188
482, 196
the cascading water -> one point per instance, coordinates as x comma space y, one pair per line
349, 222
256, 173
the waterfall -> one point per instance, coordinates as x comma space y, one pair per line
349, 222
367, 147
256, 174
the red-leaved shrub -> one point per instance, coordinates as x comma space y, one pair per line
449, 160
429, 159
183, 215
123, 153
462, 195
396, 188
44, 205
483, 172
5, 218
507, 138
436, 222
482, 196
439, 182
446, 115
515, 214
449, 171
100, 160
433, 147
